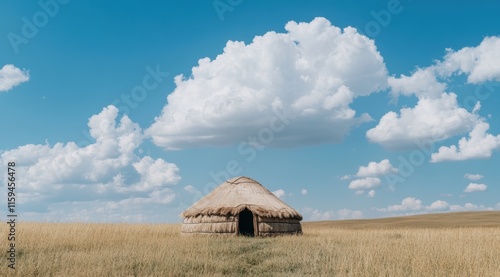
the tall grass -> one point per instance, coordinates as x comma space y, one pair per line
46, 249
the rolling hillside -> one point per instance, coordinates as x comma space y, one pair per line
438, 220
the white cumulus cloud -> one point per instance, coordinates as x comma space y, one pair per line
408, 204
113, 149
479, 63
11, 76
303, 192
376, 169
473, 187
368, 176
132, 209
107, 168
437, 115
422, 82
469, 207
479, 145
432, 119
438, 205
155, 173
365, 183
309, 75
412, 205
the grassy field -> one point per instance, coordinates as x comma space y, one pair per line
460, 244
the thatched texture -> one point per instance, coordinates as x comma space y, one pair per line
239, 193
209, 224
219, 211
273, 226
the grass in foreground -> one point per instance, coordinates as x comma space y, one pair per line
78, 249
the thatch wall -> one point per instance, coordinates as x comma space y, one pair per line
209, 225
278, 226
227, 225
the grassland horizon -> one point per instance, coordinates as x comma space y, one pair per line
451, 244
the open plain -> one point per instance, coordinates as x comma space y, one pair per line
453, 244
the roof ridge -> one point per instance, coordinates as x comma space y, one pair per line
234, 180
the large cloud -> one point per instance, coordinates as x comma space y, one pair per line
11, 76
437, 114
479, 145
107, 169
310, 75
479, 63
432, 119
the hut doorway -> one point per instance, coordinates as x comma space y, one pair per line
245, 223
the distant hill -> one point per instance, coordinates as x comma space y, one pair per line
437, 220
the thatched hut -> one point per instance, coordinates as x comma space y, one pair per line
241, 206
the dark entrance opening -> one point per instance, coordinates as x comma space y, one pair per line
245, 223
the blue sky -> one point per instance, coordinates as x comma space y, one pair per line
356, 108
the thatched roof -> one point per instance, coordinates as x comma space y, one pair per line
236, 194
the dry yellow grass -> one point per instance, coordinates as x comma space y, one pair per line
325, 249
